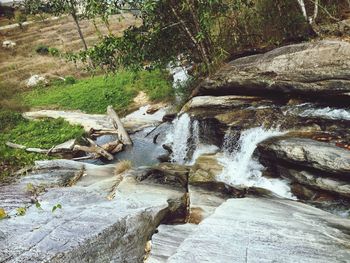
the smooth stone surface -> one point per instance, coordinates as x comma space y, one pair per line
133, 122
166, 241
267, 230
92, 226
315, 181
322, 156
320, 68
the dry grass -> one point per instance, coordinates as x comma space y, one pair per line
122, 166
18, 64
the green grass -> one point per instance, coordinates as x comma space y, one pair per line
94, 94
38, 134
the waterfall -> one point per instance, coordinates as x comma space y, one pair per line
185, 140
240, 168
179, 138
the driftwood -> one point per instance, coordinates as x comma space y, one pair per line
94, 149
16, 146
96, 133
22, 147
122, 134
113, 147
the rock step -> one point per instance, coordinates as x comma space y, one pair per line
167, 240
267, 230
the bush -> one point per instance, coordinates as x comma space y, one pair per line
54, 51
70, 80
122, 166
42, 50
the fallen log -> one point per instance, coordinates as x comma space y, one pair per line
122, 134
22, 147
94, 149
37, 150
15, 145
113, 147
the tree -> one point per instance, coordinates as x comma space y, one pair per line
309, 18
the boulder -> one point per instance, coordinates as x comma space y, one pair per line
318, 70
35, 80
205, 169
314, 181
8, 44
267, 230
321, 156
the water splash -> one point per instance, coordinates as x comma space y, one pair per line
179, 137
240, 168
185, 140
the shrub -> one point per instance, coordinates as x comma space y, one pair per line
54, 52
42, 50
69, 80
122, 166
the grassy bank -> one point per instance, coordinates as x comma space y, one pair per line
38, 134
94, 94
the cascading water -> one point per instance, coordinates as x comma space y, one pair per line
240, 168
185, 136
179, 138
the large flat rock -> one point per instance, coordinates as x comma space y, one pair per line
267, 230
104, 218
325, 157
318, 69
133, 122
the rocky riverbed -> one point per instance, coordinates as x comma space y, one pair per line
255, 168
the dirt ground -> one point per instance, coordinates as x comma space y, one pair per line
21, 62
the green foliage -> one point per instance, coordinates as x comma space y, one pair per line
41, 134
3, 213
93, 95
56, 207
54, 51
20, 18
42, 50
21, 211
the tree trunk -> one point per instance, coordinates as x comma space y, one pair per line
122, 134
75, 18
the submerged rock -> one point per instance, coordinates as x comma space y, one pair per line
318, 69
267, 230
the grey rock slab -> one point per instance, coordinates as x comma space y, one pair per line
132, 122
320, 68
267, 230
309, 153
315, 181
90, 227
166, 241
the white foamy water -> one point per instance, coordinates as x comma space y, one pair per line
240, 168
179, 137
308, 110
184, 133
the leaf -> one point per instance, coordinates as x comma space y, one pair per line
55, 207
21, 211
2, 213
38, 205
